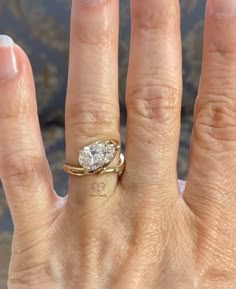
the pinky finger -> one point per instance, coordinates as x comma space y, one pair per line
24, 169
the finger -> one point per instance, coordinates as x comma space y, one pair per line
23, 166
92, 100
153, 95
213, 148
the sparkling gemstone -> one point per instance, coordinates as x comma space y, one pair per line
97, 155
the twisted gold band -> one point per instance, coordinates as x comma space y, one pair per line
80, 172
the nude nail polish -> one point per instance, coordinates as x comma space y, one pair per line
224, 8
8, 63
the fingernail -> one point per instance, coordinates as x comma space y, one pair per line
224, 7
8, 64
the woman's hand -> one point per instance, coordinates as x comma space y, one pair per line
138, 232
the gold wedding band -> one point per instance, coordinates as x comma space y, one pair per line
94, 159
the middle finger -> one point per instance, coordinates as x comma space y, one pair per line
153, 99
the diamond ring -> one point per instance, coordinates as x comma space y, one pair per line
94, 159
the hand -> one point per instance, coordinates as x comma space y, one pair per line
142, 234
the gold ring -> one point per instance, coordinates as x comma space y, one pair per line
94, 159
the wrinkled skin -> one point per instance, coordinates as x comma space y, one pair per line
140, 231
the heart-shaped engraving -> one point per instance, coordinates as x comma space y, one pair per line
98, 188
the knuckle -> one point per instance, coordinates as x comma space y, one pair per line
215, 121
101, 37
29, 242
20, 168
147, 19
154, 103
11, 111
220, 42
29, 277
85, 118
216, 277
223, 49
8, 114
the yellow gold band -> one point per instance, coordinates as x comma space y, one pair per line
80, 172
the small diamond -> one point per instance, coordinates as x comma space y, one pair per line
97, 155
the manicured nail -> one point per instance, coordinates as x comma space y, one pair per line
224, 7
8, 64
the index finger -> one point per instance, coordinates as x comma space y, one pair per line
24, 169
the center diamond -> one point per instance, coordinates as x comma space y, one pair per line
97, 155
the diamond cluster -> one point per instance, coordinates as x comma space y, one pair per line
97, 155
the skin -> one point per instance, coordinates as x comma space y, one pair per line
142, 234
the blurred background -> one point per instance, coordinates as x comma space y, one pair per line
42, 28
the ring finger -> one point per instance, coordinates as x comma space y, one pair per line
92, 110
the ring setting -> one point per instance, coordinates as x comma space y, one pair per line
95, 159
